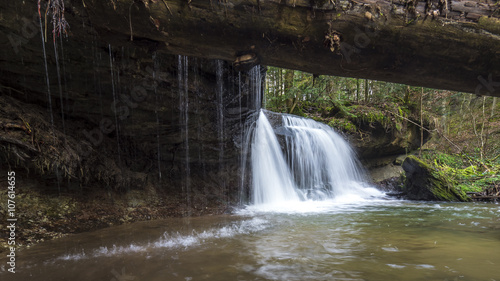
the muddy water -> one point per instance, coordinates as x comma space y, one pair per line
368, 240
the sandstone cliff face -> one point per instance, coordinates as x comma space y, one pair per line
83, 112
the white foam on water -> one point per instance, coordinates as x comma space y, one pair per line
346, 202
396, 265
175, 240
424, 266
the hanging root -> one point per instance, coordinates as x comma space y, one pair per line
60, 25
166, 5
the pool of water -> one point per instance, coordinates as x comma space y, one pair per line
378, 239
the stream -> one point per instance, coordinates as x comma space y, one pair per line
348, 238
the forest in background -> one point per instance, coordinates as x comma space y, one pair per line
464, 128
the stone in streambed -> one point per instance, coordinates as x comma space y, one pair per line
424, 182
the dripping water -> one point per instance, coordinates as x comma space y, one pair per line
184, 119
24, 75
64, 70
243, 146
114, 102
155, 81
253, 102
63, 58
97, 59
49, 96
199, 126
219, 108
56, 55
239, 104
186, 135
220, 117
256, 87
117, 75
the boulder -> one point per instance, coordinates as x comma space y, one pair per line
424, 182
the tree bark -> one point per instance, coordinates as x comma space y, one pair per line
432, 46
357, 90
421, 123
454, 47
493, 104
366, 90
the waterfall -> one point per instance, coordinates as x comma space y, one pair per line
272, 181
256, 87
322, 162
317, 163
251, 88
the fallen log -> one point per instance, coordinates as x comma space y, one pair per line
444, 44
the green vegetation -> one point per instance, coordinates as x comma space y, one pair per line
425, 182
471, 173
464, 128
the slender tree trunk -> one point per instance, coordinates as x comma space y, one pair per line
407, 95
289, 75
493, 106
483, 135
366, 90
421, 124
282, 87
357, 90
478, 134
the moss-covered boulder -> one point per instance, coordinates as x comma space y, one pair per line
423, 182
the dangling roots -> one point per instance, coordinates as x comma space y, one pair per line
60, 25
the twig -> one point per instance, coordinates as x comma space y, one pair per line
430, 131
495, 158
12, 89
481, 163
166, 5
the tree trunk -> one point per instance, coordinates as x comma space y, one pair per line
289, 75
366, 90
407, 95
455, 47
493, 104
383, 40
421, 123
357, 90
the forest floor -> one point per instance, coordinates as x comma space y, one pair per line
43, 216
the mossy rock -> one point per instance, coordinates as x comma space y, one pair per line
423, 182
298, 111
342, 125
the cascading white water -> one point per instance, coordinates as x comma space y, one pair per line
318, 163
322, 162
272, 181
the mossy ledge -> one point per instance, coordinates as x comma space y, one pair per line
423, 182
